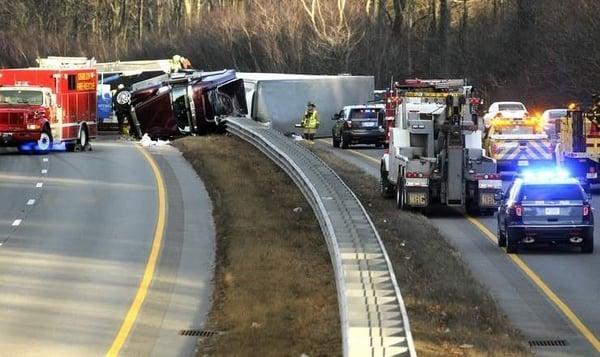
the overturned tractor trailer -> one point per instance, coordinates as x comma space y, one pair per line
280, 99
435, 154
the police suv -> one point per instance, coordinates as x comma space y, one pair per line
545, 208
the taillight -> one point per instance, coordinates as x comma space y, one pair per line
586, 210
414, 175
518, 210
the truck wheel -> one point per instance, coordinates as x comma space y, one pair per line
385, 187
501, 238
44, 143
587, 246
511, 247
400, 203
345, 141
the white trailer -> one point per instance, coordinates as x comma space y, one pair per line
280, 99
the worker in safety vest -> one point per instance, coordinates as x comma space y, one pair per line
310, 122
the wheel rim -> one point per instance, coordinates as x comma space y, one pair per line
44, 141
83, 138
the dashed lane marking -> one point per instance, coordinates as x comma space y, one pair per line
16, 222
39, 184
44, 171
31, 202
45, 159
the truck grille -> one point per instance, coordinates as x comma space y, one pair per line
11, 119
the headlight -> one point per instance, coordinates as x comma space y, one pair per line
124, 97
32, 127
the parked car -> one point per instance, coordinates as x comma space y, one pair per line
544, 209
359, 124
505, 110
188, 102
550, 117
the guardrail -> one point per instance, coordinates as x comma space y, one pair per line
373, 317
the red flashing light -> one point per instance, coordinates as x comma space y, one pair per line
518, 210
586, 210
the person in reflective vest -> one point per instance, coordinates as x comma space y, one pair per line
310, 122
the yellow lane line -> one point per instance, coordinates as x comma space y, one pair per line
564, 308
542, 286
142, 290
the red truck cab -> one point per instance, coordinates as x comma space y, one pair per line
42, 107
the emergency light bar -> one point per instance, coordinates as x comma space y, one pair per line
550, 174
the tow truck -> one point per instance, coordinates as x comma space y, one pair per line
435, 153
578, 149
519, 143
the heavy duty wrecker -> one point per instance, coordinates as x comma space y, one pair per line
578, 149
435, 153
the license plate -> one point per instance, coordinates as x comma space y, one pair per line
591, 175
369, 124
417, 199
552, 211
487, 200
523, 163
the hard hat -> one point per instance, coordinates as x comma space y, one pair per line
121, 86
176, 58
310, 104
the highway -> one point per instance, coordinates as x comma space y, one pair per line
103, 253
549, 294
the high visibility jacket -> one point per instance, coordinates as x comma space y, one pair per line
310, 120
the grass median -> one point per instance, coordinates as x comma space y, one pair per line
449, 311
274, 284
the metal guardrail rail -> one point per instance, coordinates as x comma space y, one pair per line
373, 317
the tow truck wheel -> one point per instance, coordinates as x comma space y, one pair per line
44, 143
385, 187
400, 203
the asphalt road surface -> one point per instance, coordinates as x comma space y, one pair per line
102, 253
551, 294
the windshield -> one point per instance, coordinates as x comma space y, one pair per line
557, 114
515, 130
364, 113
503, 107
21, 97
541, 192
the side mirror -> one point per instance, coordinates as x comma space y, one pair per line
335, 116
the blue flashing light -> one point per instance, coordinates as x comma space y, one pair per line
549, 174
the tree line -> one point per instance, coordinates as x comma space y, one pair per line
542, 51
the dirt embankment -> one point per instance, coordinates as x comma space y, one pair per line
449, 311
274, 284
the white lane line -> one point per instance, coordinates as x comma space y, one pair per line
39, 184
45, 159
44, 171
16, 222
31, 202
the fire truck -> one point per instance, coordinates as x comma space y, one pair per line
43, 107
578, 149
435, 153
517, 144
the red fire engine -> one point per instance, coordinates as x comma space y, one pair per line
39, 107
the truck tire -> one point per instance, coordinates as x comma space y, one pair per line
587, 246
385, 187
400, 202
44, 143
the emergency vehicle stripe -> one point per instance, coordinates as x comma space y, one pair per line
533, 151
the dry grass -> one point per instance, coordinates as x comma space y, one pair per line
447, 307
274, 285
